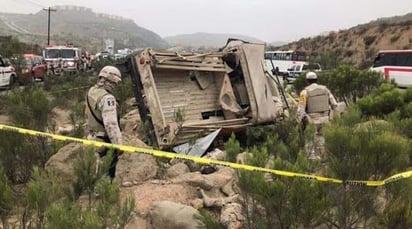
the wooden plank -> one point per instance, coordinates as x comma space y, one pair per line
198, 64
222, 122
191, 68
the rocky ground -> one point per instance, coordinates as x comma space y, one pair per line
167, 194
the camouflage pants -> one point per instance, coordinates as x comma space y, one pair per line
315, 146
102, 151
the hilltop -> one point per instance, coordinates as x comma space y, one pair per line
80, 26
359, 45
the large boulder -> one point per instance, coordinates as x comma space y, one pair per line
62, 162
131, 168
170, 215
157, 190
134, 168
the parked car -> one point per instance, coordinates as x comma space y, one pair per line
297, 69
8, 76
33, 68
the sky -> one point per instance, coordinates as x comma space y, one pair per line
267, 20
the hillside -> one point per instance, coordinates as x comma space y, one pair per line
210, 40
80, 26
359, 44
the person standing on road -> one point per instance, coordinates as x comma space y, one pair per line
102, 113
315, 104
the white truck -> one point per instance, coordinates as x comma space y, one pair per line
63, 59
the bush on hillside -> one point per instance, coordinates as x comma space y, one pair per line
346, 83
386, 99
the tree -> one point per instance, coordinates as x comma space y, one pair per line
13, 48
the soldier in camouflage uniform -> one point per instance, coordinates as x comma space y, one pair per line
102, 113
315, 104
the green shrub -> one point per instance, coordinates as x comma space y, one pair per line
42, 191
29, 108
349, 53
6, 199
232, 147
18, 155
382, 102
394, 38
368, 40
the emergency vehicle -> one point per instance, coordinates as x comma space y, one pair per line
8, 76
62, 59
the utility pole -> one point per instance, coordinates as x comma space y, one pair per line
49, 9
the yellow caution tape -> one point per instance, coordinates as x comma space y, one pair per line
293, 99
200, 160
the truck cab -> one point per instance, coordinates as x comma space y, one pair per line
61, 59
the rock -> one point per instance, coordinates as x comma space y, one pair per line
197, 203
170, 215
214, 180
176, 170
227, 189
232, 217
217, 202
65, 129
127, 184
62, 162
136, 167
216, 154
146, 194
131, 167
131, 124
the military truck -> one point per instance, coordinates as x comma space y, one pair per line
182, 96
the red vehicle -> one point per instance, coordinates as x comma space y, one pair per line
33, 68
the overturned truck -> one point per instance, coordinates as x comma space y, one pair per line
182, 96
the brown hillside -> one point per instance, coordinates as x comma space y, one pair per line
360, 44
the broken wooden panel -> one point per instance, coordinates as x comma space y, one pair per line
259, 85
179, 90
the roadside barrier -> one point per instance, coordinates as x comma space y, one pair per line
207, 161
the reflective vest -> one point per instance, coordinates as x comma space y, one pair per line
318, 99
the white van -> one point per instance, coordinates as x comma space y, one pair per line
8, 77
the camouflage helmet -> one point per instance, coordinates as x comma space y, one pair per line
311, 76
111, 74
